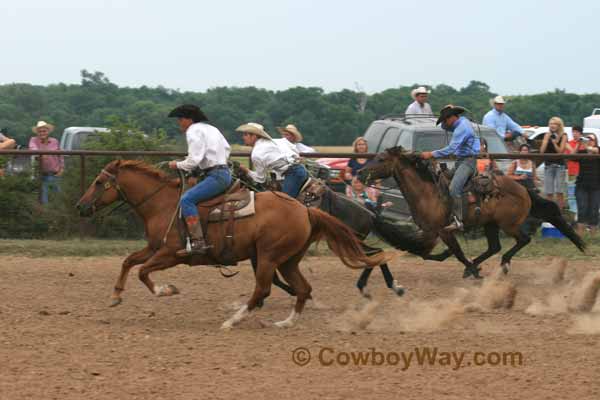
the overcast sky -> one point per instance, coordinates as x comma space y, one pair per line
516, 46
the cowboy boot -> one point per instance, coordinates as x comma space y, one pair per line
197, 245
457, 213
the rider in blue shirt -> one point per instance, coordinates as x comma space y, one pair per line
465, 147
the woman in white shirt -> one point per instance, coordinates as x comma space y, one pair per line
269, 155
208, 151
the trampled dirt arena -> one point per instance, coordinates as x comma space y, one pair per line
533, 330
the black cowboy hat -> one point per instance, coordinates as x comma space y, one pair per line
188, 111
449, 111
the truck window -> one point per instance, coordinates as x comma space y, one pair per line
390, 139
374, 135
429, 141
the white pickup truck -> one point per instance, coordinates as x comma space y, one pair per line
74, 137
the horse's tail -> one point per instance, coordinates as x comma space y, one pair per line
549, 211
402, 238
342, 241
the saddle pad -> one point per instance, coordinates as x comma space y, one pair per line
245, 211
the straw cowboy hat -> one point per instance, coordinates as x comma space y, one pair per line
291, 129
255, 129
449, 111
419, 90
497, 100
42, 124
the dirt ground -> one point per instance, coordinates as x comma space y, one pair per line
60, 340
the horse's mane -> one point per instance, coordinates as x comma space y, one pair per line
423, 167
142, 167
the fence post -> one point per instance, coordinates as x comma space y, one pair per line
82, 191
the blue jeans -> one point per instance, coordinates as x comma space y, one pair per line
50, 183
216, 182
294, 177
464, 169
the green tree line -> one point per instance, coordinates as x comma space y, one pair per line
334, 118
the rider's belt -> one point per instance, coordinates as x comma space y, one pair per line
291, 168
207, 170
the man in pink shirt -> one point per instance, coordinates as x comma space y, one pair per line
51, 167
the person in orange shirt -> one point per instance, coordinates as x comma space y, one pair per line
572, 147
485, 164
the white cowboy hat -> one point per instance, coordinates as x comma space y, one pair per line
419, 90
42, 124
291, 129
255, 129
497, 100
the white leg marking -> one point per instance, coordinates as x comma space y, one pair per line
289, 321
237, 317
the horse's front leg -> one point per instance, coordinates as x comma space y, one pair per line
162, 259
132, 260
450, 240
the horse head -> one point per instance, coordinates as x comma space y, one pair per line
104, 190
385, 163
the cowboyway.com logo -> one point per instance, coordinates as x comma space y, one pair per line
419, 356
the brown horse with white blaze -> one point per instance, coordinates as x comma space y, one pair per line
154, 196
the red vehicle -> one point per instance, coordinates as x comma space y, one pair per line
337, 168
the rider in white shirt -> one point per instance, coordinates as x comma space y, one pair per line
269, 155
293, 135
208, 151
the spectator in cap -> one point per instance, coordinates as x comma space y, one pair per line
496, 118
51, 167
293, 135
419, 105
208, 152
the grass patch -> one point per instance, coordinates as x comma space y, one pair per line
69, 248
538, 247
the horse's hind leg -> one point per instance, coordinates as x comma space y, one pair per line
443, 256
132, 260
390, 281
292, 274
264, 276
493, 239
363, 279
522, 240
276, 281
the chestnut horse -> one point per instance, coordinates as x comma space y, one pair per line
155, 196
431, 212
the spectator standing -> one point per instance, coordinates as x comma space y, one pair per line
497, 119
420, 104
571, 148
359, 145
51, 167
554, 142
587, 186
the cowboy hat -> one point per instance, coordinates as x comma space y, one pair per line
419, 90
291, 129
188, 111
255, 129
497, 100
42, 124
449, 111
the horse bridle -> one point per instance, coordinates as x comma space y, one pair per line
112, 183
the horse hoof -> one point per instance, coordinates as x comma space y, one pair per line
167, 290
284, 324
466, 273
115, 302
505, 268
365, 293
398, 289
173, 289
227, 326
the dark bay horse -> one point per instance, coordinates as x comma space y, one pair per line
430, 207
154, 197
